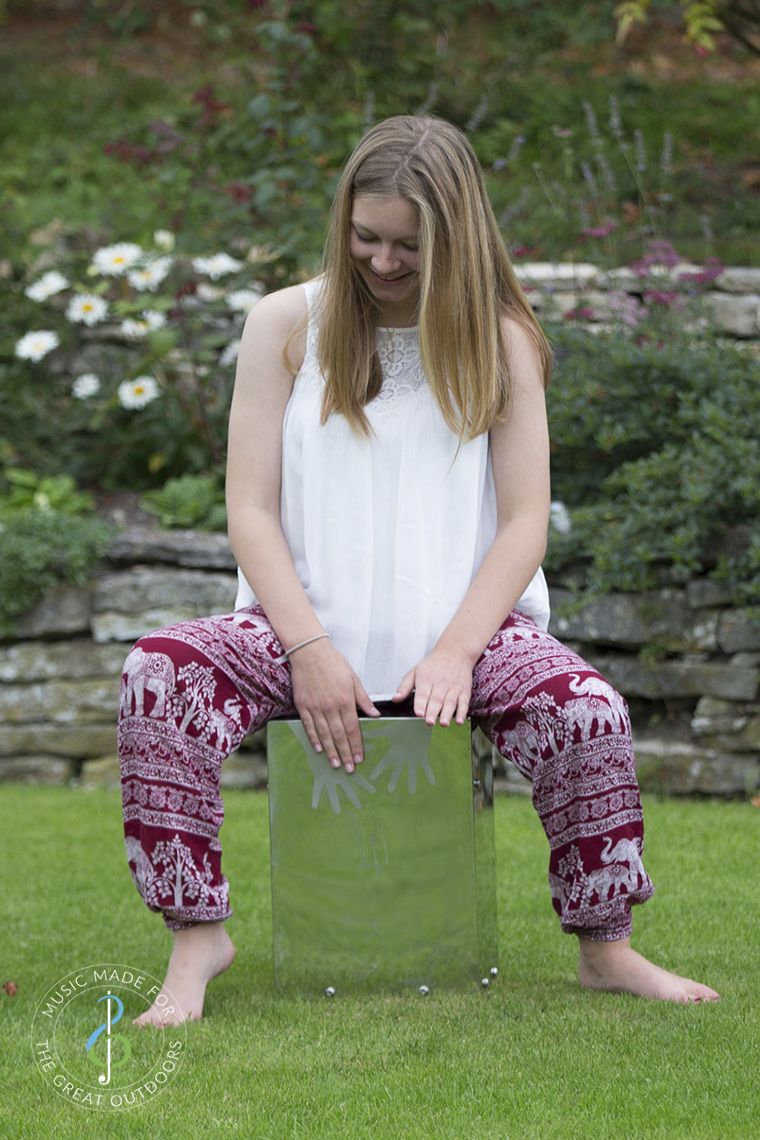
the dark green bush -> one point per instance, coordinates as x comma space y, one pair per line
656, 456
40, 549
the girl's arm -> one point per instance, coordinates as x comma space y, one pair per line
263, 386
520, 460
326, 690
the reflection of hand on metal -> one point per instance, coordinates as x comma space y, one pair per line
330, 779
409, 761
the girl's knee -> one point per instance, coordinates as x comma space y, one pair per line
592, 707
148, 678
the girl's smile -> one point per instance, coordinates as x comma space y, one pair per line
384, 248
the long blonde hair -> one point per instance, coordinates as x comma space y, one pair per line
467, 282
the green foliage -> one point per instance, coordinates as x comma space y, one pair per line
240, 152
24, 490
48, 535
252, 157
701, 19
39, 549
195, 501
656, 456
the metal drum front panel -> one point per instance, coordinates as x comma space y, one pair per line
375, 874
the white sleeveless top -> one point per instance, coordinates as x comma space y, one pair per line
385, 539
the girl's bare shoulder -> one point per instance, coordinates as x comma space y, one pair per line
284, 308
278, 322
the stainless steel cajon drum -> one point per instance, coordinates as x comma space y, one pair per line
384, 879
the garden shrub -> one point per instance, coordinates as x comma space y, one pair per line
49, 534
23, 490
40, 549
192, 501
657, 460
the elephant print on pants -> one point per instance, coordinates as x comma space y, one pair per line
192, 692
151, 672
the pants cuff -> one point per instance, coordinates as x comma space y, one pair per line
602, 933
172, 922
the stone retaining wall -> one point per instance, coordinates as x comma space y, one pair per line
686, 662
731, 300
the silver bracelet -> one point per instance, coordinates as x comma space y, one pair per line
286, 654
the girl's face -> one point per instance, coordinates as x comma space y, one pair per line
385, 249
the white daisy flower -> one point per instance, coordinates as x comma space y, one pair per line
230, 353
35, 345
136, 329
86, 309
243, 300
216, 266
560, 518
138, 392
164, 239
113, 260
149, 275
208, 292
85, 386
45, 286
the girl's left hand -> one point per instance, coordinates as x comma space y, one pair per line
442, 684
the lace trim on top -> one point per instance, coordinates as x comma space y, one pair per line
398, 351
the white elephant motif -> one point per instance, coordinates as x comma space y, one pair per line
143, 671
584, 712
604, 879
590, 686
558, 888
625, 851
144, 872
225, 724
524, 741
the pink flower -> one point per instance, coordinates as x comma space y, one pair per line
583, 313
600, 231
659, 297
626, 307
128, 152
712, 268
212, 108
238, 191
658, 253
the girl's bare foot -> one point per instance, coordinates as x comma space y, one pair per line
200, 953
617, 967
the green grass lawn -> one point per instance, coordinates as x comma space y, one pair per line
534, 1057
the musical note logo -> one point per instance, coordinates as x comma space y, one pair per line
125, 1047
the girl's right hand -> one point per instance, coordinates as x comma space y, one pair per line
326, 692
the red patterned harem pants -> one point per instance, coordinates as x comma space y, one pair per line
193, 691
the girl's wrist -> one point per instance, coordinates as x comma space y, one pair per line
300, 646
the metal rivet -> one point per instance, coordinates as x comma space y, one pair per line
424, 990
494, 971
330, 991
485, 983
